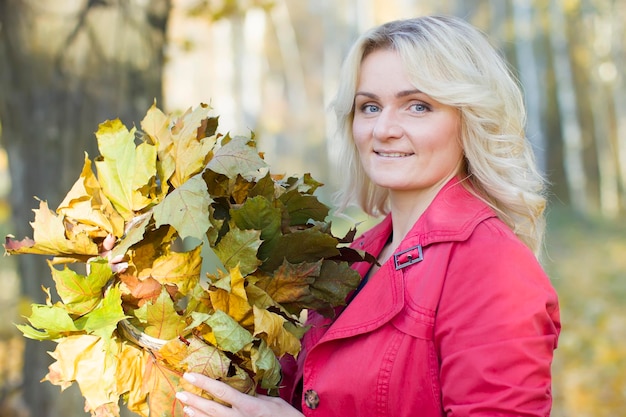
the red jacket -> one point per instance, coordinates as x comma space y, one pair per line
469, 329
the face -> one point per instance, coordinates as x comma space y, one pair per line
407, 142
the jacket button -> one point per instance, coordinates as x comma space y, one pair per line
311, 399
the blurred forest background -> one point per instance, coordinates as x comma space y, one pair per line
271, 66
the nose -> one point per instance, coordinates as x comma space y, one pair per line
387, 125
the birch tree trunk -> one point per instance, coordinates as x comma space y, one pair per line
618, 52
570, 125
525, 29
69, 66
599, 28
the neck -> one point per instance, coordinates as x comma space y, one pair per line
408, 207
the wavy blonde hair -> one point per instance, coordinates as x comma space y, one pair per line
454, 63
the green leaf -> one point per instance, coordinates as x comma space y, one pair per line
239, 248
54, 321
307, 245
303, 208
186, 209
229, 334
260, 214
79, 293
265, 187
335, 282
103, 320
266, 365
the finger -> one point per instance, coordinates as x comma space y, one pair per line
109, 242
196, 406
216, 389
116, 259
119, 267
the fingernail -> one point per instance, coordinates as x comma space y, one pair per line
187, 410
182, 396
189, 377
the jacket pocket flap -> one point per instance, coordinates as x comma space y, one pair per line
414, 324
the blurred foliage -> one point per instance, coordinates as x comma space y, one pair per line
224, 9
586, 262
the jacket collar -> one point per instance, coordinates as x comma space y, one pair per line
452, 216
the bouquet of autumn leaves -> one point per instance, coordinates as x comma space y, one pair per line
223, 259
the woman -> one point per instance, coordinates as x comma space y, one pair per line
459, 318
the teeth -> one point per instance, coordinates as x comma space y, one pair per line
393, 154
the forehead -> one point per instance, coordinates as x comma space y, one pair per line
381, 65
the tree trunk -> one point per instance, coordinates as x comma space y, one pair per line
601, 78
618, 53
68, 67
525, 32
570, 124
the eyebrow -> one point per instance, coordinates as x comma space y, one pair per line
402, 93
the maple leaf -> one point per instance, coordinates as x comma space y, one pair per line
236, 157
229, 296
80, 293
335, 282
54, 322
160, 319
87, 204
290, 282
302, 208
179, 269
49, 237
124, 169
238, 248
260, 239
91, 362
229, 334
186, 209
307, 245
260, 214
102, 321
265, 365
136, 292
162, 383
271, 326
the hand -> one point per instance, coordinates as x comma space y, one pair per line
243, 405
115, 263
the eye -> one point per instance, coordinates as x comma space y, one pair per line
369, 108
420, 107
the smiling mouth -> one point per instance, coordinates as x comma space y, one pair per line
393, 154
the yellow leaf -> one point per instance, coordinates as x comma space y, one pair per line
180, 269
234, 302
279, 339
131, 368
86, 360
182, 144
125, 171
49, 237
87, 204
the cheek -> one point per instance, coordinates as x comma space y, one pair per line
360, 134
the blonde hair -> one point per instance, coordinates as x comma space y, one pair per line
454, 63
